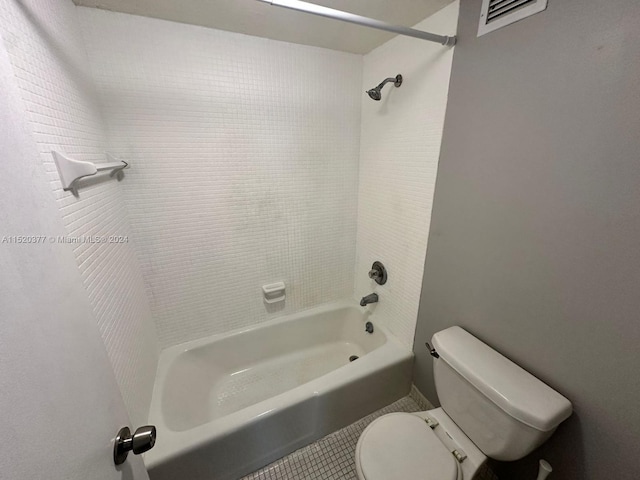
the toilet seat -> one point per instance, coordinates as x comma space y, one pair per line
401, 446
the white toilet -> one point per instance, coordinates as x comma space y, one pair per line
490, 408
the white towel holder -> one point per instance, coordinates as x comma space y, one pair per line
71, 170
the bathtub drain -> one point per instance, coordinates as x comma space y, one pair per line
353, 357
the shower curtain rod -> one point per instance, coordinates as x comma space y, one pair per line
360, 20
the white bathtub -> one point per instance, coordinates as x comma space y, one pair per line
227, 405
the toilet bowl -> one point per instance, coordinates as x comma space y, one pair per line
490, 408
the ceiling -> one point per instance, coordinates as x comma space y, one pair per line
261, 19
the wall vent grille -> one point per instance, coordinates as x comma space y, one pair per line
499, 13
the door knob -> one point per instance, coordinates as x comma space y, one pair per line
143, 439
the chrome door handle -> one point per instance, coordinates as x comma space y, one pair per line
143, 439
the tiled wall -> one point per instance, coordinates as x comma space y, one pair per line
45, 45
244, 170
400, 147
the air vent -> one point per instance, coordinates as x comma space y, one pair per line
499, 13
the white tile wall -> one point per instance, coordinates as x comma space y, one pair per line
50, 65
244, 167
400, 147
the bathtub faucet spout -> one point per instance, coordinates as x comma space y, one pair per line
371, 298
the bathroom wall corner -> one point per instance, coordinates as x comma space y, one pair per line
399, 151
46, 50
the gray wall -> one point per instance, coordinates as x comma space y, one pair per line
535, 238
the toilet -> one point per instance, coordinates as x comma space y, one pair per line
490, 408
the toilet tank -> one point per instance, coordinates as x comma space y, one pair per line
503, 409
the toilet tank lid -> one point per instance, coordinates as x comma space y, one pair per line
510, 387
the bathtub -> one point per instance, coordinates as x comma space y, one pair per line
227, 405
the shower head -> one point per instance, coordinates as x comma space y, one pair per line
376, 93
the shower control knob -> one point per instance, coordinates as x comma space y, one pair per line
143, 440
378, 273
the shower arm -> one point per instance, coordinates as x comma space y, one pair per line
360, 20
385, 81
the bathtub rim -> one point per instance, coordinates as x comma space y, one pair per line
325, 307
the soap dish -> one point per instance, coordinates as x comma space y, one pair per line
274, 292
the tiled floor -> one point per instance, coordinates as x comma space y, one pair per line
332, 457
